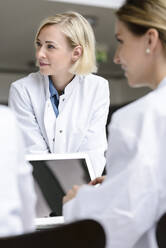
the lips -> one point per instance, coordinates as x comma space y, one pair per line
43, 64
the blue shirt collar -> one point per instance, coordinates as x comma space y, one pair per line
53, 91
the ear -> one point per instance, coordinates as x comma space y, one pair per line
152, 39
77, 52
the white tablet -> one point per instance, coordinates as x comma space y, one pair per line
54, 175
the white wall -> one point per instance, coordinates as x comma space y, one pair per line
5, 80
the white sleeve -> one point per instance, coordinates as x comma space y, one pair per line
95, 141
17, 197
126, 203
20, 102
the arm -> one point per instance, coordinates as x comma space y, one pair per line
127, 201
20, 102
71, 194
95, 141
16, 188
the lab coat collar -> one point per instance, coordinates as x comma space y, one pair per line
69, 88
46, 85
162, 83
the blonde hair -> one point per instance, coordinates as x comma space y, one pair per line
140, 15
78, 31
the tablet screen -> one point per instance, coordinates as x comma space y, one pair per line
53, 179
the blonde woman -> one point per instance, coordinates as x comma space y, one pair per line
63, 108
132, 198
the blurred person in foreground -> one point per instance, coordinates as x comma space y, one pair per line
17, 196
132, 198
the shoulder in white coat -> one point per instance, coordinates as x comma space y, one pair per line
83, 110
16, 215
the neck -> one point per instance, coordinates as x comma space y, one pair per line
158, 74
61, 82
158, 67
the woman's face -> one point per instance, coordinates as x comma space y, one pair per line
53, 53
131, 55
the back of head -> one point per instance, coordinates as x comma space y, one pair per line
140, 15
78, 31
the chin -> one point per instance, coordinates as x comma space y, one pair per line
136, 84
44, 72
130, 82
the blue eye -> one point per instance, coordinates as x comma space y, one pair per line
50, 46
120, 41
38, 44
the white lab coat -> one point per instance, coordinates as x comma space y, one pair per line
133, 197
17, 197
80, 125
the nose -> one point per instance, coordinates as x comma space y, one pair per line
116, 57
40, 52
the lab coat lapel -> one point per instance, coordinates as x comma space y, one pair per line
49, 116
